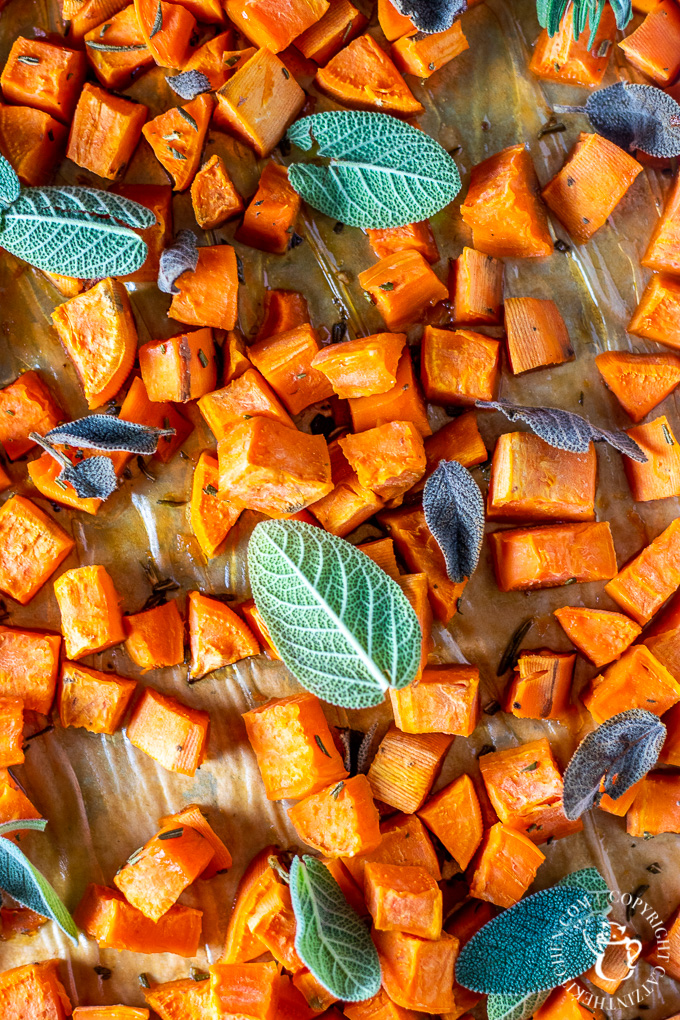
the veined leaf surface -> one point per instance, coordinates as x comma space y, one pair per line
10, 186
342, 626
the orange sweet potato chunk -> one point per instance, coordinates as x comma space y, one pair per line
476, 288
445, 699
33, 142
213, 195
506, 866
35, 987
599, 634
218, 637
341, 23
154, 638
181, 368
40, 74
137, 407
422, 54
195, 818
116, 68
404, 840
211, 518
536, 334
186, 127
402, 402
455, 817
32, 545
156, 875
654, 47
286, 362
200, 302
245, 990
105, 131
572, 61
459, 366
460, 439
14, 804
11, 732
503, 209
663, 254
98, 332
170, 42
656, 807
659, 476
170, 732
219, 59
241, 945
29, 664
641, 381
636, 680
662, 637
44, 472
157, 198
388, 459
94, 700
110, 1013
340, 820
362, 367
533, 481
362, 76
105, 916
248, 396
642, 586
417, 236
549, 556
402, 286
270, 218
275, 25
273, 923
417, 973
403, 898
183, 999
26, 405
283, 310
541, 685
406, 766
348, 504
91, 618
295, 751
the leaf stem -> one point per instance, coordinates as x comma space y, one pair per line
60, 457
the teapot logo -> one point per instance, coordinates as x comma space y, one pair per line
624, 950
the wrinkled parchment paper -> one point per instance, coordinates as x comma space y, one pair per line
102, 796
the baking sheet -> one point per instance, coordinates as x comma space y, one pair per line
102, 796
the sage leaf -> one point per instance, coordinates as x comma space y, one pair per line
110, 48
454, 513
10, 186
157, 21
330, 938
382, 172
611, 759
544, 940
515, 1007
432, 15
592, 883
92, 478
564, 429
341, 625
105, 432
21, 880
78, 232
551, 12
189, 84
636, 117
177, 258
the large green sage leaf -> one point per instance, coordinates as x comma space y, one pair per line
382, 172
330, 938
342, 626
26, 884
10, 187
78, 232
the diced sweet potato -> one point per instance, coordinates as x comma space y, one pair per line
403, 898
94, 700
105, 131
654, 47
382, 552
348, 504
417, 973
536, 334
388, 459
183, 999
406, 766
662, 637
32, 545
599, 634
541, 685
170, 41
259, 102
29, 663
170, 732
404, 840
154, 638
637, 680
363, 367
212, 518
460, 440
110, 1013
533, 481
285, 360
641, 381
503, 209
113, 923
234, 356
403, 286
340, 820
393, 24
194, 817
283, 310
14, 804
98, 332
294, 747
455, 817
157, 198
137, 407
402, 402
275, 25
362, 76
505, 867
248, 396
445, 699
417, 236
269, 467
200, 302
459, 366
416, 589
656, 808
549, 556
213, 195
662, 253
379, 1007
590, 185
34, 990
32, 141
85, 15
476, 289
218, 637
11, 732
645, 582
422, 54
91, 618
341, 23
117, 51
572, 61
270, 218
181, 368
40, 74
26, 405
186, 128
659, 476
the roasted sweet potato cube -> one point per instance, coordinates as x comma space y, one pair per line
32, 545
137, 407
382, 552
663, 254
117, 51
444, 700
476, 289
421, 554
44, 473
157, 198
236, 360
294, 747
212, 518
273, 923
106, 916
245, 990
645, 582
218, 637
11, 732
13, 803
455, 817
571, 61
285, 360
656, 808
403, 286
403, 898
659, 476
641, 381
417, 236
393, 24
388, 459
45, 76
181, 368
620, 806
340, 820
404, 840
154, 638
378, 1007
405, 767
98, 332
592, 182
248, 396
533, 481
35, 986
555, 554
402, 402
270, 218
259, 102
200, 302
26, 405
362, 76
422, 54
599, 634
219, 59
183, 999
416, 589
341, 23
283, 310
170, 732
348, 504
195, 818
213, 195
29, 664
363, 367
536, 334
417, 973
269, 467
541, 685
156, 875
459, 366
91, 618
505, 867
105, 131
460, 439
566, 1003
637, 680
32, 141
654, 47
619, 956
267, 23
91, 699
502, 207
662, 637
